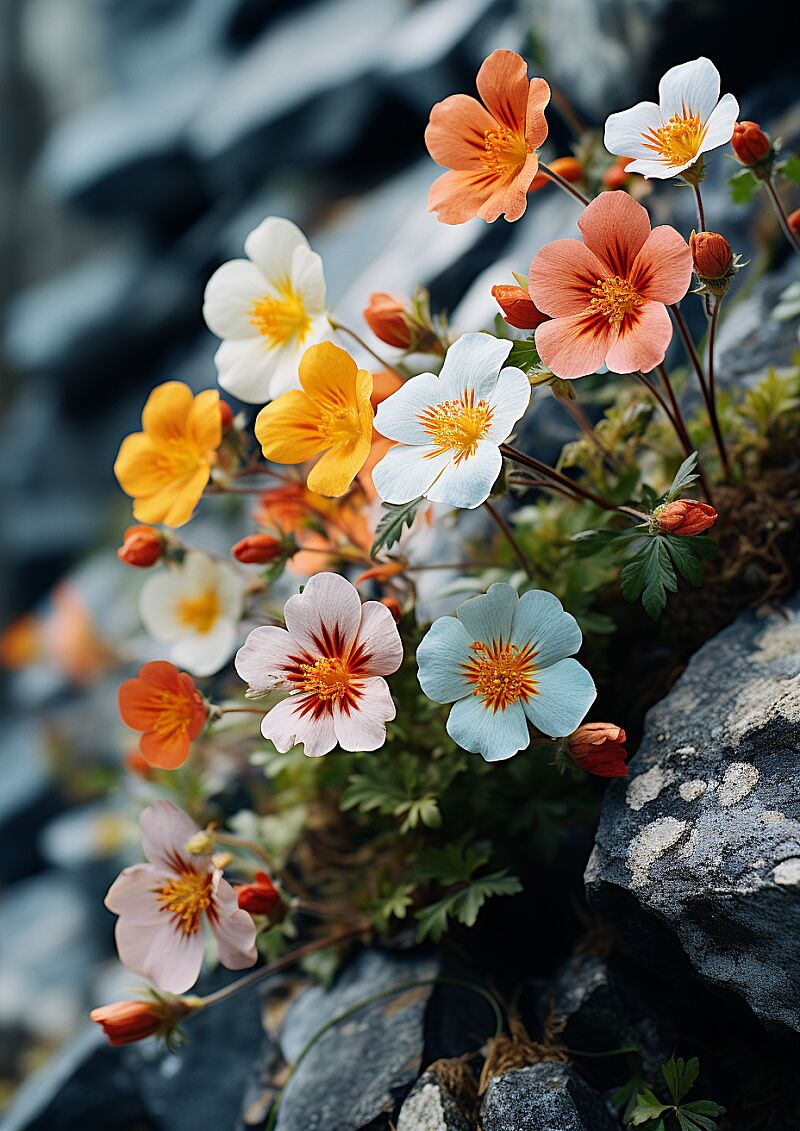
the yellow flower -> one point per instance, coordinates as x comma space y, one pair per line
332, 415
165, 467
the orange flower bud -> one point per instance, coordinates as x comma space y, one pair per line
142, 546
712, 255
794, 221
598, 749
225, 415
518, 307
615, 176
750, 143
569, 168
393, 606
685, 516
125, 1022
136, 763
261, 897
257, 549
387, 317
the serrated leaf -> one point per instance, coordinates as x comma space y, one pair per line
647, 1107
394, 517
685, 559
791, 168
590, 542
680, 1075
524, 356
649, 575
743, 187
683, 477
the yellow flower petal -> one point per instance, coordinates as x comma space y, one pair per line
204, 423
137, 468
174, 504
165, 414
288, 428
328, 374
337, 468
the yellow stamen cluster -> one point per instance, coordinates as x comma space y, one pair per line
503, 150
458, 425
186, 897
178, 456
614, 298
339, 424
501, 673
327, 678
281, 318
200, 612
679, 140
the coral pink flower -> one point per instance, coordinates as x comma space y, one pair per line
489, 149
331, 658
162, 904
606, 295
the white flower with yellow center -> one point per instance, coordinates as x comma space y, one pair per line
195, 607
268, 309
690, 119
449, 428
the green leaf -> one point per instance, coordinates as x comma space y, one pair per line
743, 187
591, 542
394, 516
649, 575
464, 905
791, 168
680, 1075
683, 477
684, 558
647, 1107
525, 356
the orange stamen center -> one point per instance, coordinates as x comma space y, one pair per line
173, 713
186, 897
677, 142
458, 425
614, 298
501, 673
328, 678
200, 612
504, 151
282, 317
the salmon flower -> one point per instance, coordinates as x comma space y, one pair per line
331, 417
490, 149
608, 295
163, 905
164, 704
689, 120
685, 516
166, 467
331, 658
267, 309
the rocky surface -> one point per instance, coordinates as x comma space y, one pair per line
697, 854
545, 1097
431, 1106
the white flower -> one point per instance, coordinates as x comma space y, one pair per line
267, 309
196, 608
449, 428
689, 120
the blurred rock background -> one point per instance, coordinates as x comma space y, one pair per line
140, 140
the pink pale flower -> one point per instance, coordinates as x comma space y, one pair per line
330, 658
162, 904
608, 295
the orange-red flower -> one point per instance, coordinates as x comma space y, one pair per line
125, 1022
598, 748
608, 295
257, 549
164, 704
490, 149
750, 143
387, 317
518, 308
685, 516
141, 547
260, 897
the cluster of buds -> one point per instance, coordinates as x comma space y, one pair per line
684, 516
598, 748
715, 263
753, 148
141, 547
125, 1022
404, 324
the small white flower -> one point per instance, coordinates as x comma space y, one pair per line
449, 428
196, 608
267, 309
689, 120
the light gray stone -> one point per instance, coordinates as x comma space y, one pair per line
431, 1107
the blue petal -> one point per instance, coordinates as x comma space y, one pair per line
443, 652
494, 734
566, 691
540, 619
489, 616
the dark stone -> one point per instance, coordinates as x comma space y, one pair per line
545, 1097
697, 856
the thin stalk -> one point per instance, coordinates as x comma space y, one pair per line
582, 420
565, 185
381, 360
712, 398
701, 212
240, 711
240, 842
509, 534
780, 212
551, 473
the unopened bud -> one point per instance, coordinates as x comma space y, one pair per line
568, 168
750, 144
598, 748
202, 843
684, 516
226, 415
518, 307
260, 897
141, 547
387, 317
712, 255
257, 549
794, 221
126, 1022
393, 606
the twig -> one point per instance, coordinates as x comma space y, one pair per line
565, 185
780, 212
507, 531
381, 361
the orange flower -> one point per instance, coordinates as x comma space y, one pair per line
490, 149
598, 749
166, 467
260, 897
141, 547
125, 1022
257, 549
71, 640
517, 306
386, 317
164, 704
685, 516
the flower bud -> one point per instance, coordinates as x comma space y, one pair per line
387, 317
226, 415
615, 175
393, 606
125, 1022
712, 255
569, 168
684, 516
518, 307
261, 897
750, 144
136, 763
794, 222
598, 749
257, 549
142, 546
202, 843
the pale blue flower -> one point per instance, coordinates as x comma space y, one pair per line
502, 661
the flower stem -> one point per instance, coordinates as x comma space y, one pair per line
240, 710
565, 185
507, 531
240, 842
381, 361
712, 398
698, 199
582, 420
556, 476
780, 212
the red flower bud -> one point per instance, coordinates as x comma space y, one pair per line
393, 606
750, 143
712, 255
261, 897
794, 221
387, 317
127, 1021
685, 516
518, 307
615, 176
598, 749
569, 168
226, 415
142, 546
257, 549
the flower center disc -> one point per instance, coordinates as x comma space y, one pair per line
186, 897
503, 151
457, 426
201, 611
501, 673
280, 319
328, 678
177, 457
173, 713
614, 298
678, 141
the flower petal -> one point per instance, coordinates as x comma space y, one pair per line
458, 196
271, 246
233, 928
511, 398
204, 423
378, 636
574, 346
308, 279
720, 123
642, 341
229, 297
397, 418
535, 121
263, 658
442, 654
205, 653
496, 735
565, 692
365, 727
662, 271
158, 601
472, 364
488, 617
562, 275
336, 469
165, 831
174, 504
288, 428
502, 83
690, 88
456, 133
329, 608
540, 620
468, 482
164, 416
625, 132
615, 227
138, 468
245, 368
286, 725
408, 471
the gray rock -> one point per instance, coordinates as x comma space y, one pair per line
354, 1075
697, 855
27, 801
430, 1106
751, 342
545, 1097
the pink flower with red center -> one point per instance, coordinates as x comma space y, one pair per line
608, 295
331, 658
162, 906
